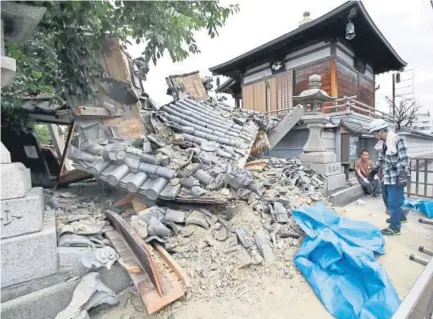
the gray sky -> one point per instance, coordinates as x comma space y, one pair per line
408, 26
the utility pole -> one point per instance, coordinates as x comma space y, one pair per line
393, 94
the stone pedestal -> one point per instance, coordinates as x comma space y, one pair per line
23, 215
28, 243
317, 157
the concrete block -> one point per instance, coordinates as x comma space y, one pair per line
15, 180
48, 302
5, 155
8, 70
29, 256
327, 169
336, 182
285, 125
28, 287
347, 195
41, 304
22, 215
318, 157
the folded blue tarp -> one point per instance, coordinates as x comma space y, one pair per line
423, 206
337, 259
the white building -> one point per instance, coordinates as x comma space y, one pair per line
423, 123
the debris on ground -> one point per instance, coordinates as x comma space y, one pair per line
89, 293
215, 215
360, 202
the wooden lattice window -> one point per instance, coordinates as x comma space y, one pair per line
284, 90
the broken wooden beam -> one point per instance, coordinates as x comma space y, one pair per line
173, 264
152, 300
138, 246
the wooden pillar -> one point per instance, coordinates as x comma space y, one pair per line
334, 85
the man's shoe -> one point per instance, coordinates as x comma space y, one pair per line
389, 232
377, 195
403, 220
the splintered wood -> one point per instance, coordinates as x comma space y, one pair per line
256, 166
168, 275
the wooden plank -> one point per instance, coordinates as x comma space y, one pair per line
131, 268
150, 297
72, 176
334, 84
257, 162
273, 99
173, 264
100, 112
59, 144
124, 201
138, 246
116, 63
138, 204
65, 150
52, 128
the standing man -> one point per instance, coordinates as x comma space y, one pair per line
363, 166
394, 161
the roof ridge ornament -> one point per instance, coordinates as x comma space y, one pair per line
305, 18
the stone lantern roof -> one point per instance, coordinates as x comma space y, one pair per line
314, 97
18, 21
314, 92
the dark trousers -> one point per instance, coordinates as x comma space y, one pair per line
370, 188
393, 196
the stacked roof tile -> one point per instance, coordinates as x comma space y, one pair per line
192, 151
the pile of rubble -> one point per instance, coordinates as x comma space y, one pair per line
217, 214
223, 250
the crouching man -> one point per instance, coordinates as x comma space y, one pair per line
394, 161
369, 183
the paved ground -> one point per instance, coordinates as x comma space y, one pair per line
277, 298
400, 269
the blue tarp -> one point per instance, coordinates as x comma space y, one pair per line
337, 258
423, 206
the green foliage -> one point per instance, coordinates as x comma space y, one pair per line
43, 134
15, 118
63, 55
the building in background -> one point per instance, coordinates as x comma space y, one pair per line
344, 47
423, 122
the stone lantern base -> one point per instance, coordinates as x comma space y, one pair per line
317, 157
325, 164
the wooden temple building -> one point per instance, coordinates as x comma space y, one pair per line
344, 47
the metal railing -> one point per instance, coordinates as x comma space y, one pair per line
422, 184
349, 103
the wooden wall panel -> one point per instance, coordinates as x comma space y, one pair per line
347, 81
115, 62
366, 91
322, 68
273, 96
351, 83
193, 85
279, 94
254, 96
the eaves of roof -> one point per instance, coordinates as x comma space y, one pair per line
236, 64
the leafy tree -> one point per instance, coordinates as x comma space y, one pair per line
63, 55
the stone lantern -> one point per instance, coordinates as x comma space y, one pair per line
18, 22
314, 152
314, 97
